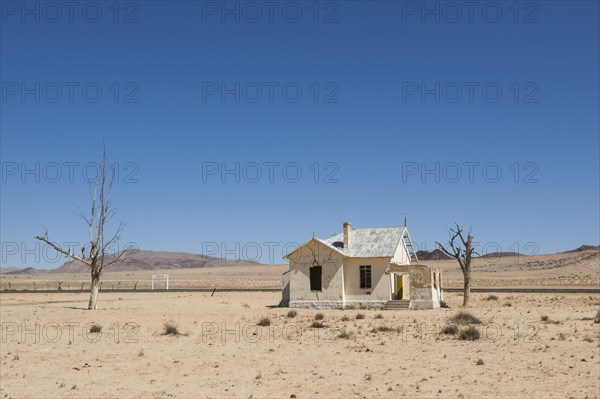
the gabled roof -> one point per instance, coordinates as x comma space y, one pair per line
374, 242
318, 240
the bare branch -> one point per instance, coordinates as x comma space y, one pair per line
62, 251
445, 250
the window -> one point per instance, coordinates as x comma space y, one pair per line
365, 277
315, 278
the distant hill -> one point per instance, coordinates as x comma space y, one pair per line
27, 270
5, 270
583, 248
436, 254
151, 260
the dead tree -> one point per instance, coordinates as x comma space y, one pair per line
94, 253
463, 253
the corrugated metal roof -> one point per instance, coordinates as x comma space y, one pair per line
375, 242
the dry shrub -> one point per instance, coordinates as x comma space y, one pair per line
491, 298
345, 335
480, 362
264, 322
470, 334
345, 318
450, 329
317, 324
465, 318
383, 329
291, 314
360, 316
547, 320
170, 328
319, 316
379, 316
95, 328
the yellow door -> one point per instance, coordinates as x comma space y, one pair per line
398, 286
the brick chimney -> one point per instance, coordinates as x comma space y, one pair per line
347, 233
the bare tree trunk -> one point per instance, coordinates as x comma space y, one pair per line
467, 289
94, 289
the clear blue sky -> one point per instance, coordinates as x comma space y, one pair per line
384, 108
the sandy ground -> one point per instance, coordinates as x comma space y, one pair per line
251, 276
225, 354
576, 269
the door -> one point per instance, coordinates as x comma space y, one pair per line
399, 287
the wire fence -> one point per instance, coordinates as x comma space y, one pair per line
138, 285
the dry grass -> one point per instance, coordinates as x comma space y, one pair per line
450, 329
470, 334
170, 328
547, 320
95, 328
291, 314
264, 322
383, 329
345, 335
463, 318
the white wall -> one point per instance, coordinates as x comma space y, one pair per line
401, 255
381, 287
300, 263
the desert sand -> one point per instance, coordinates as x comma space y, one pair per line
223, 353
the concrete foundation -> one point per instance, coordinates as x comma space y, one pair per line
423, 304
335, 304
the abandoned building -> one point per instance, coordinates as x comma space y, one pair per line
370, 267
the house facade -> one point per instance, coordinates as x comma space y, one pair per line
364, 266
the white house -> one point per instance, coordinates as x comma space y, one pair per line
365, 266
